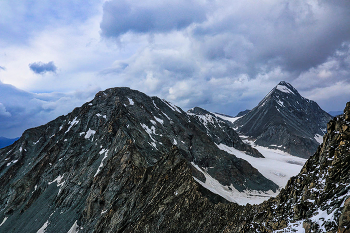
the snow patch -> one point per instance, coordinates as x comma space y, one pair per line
43, 228
150, 131
72, 123
99, 115
90, 133
166, 116
206, 119
12, 162
34, 143
295, 227
3, 221
284, 89
103, 151
103, 211
131, 102
226, 118
175, 142
280, 103
59, 183
277, 165
318, 138
159, 120
170, 105
153, 144
230, 193
74, 228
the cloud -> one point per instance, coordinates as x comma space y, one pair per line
121, 16
20, 20
26, 110
2, 68
3, 111
234, 53
41, 68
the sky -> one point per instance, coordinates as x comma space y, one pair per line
221, 55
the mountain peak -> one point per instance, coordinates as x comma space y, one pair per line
286, 119
286, 88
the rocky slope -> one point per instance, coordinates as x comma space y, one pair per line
287, 121
221, 131
117, 163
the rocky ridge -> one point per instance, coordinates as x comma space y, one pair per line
221, 131
285, 120
113, 160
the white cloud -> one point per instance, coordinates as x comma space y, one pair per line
3, 111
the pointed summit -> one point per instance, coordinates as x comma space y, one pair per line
286, 88
287, 121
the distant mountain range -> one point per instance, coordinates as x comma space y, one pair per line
285, 120
335, 113
6, 141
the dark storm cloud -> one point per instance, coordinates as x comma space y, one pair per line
256, 37
234, 51
120, 16
41, 68
294, 35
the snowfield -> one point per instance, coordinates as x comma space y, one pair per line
277, 166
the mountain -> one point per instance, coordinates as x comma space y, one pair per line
335, 113
285, 120
242, 113
6, 141
108, 164
68, 176
221, 131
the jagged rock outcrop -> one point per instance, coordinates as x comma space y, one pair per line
287, 121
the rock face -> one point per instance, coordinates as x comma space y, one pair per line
242, 113
221, 131
121, 162
287, 121
318, 198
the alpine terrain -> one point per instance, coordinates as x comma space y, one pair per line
286, 121
126, 162
85, 165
